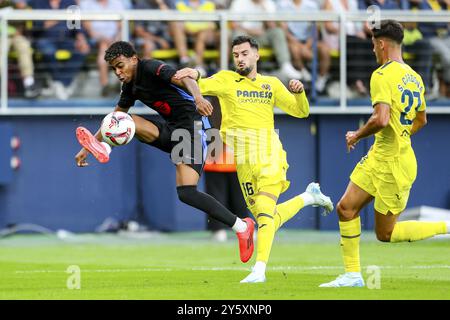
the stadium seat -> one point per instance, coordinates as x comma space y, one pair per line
63, 55
167, 54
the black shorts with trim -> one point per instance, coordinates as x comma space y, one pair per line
185, 144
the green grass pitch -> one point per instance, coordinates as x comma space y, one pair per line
190, 266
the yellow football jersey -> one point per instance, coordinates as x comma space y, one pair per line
247, 107
249, 103
399, 86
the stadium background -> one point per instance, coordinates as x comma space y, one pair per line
47, 188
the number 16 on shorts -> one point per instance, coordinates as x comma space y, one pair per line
247, 188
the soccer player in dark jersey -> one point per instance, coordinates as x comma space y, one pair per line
181, 105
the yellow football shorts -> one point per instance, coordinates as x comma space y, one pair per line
389, 182
253, 177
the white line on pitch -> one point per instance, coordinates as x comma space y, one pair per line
200, 268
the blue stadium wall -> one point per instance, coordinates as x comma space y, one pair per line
139, 181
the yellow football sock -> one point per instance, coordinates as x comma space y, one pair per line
416, 230
266, 233
263, 210
286, 210
350, 235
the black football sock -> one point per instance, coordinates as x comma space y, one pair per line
202, 201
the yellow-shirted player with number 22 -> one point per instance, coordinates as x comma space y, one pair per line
247, 102
389, 169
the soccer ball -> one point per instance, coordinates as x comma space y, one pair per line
117, 128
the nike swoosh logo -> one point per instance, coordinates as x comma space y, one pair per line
239, 80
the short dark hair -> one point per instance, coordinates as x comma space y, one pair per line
119, 48
390, 29
243, 39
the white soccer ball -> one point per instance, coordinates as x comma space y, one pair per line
118, 128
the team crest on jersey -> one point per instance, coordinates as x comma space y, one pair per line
266, 86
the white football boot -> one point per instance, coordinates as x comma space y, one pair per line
319, 198
348, 279
254, 277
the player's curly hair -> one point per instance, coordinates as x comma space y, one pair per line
390, 29
243, 39
119, 48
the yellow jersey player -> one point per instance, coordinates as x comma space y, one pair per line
247, 102
387, 172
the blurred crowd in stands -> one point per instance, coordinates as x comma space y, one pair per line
46, 57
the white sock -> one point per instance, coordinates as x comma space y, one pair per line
107, 147
259, 267
308, 199
239, 226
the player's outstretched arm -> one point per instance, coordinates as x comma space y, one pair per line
81, 156
187, 73
419, 122
379, 119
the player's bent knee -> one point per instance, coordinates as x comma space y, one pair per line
137, 119
146, 131
345, 213
139, 122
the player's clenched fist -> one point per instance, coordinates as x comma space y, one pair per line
295, 86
